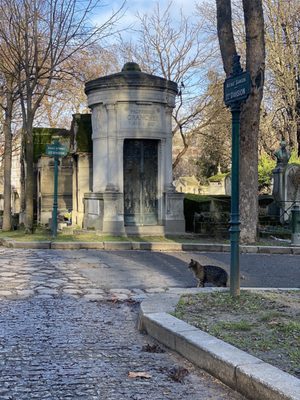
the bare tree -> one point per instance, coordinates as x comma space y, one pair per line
66, 96
215, 139
250, 117
176, 49
283, 60
37, 37
8, 96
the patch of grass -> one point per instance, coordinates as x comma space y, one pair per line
20, 235
80, 235
265, 324
88, 237
290, 327
149, 239
271, 315
186, 300
295, 357
42, 234
264, 343
237, 326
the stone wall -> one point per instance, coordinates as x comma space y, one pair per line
45, 183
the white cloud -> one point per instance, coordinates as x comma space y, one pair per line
132, 7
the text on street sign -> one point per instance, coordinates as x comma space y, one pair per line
55, 150
237, 88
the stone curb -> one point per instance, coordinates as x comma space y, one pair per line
244, 373
151, 246
76, 245
25, 245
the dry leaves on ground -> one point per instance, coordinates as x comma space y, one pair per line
140, 374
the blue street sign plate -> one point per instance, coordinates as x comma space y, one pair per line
54, 150
237, 88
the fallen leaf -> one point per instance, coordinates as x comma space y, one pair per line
144, 375
178, 374
155, 348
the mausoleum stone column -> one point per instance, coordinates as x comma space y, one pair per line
168, 151
99, 136
112, 156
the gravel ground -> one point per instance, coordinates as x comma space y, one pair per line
62, 337
72, 349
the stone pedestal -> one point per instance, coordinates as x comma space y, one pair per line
113, 220
278, 190
174, 216
93, 211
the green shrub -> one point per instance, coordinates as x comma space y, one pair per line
218, 177
294, 158
265, 167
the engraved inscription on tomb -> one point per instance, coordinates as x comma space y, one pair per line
141, 116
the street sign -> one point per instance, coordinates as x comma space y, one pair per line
237, 88
56, 150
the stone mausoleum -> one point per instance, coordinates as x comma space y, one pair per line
132, 191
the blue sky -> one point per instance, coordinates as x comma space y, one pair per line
142, 6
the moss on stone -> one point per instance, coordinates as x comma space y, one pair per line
42, 137
218, 177
84, 133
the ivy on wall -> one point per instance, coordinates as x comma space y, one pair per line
43, 136
80, 142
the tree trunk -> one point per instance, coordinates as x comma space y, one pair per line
7, 164
225, 34
22, 180
249, 170
249, 129
29, 182
250, 118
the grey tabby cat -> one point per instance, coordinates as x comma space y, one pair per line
209, 274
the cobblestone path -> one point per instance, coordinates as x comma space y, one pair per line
62, 338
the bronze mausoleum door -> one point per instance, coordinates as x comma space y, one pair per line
140, 181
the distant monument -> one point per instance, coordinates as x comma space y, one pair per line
286, 182
132, 190
282, 155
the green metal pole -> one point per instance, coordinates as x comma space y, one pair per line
235, 193
55, 203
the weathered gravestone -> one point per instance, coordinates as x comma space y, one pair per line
286, 183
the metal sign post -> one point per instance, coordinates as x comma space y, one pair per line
55, 150
236, 90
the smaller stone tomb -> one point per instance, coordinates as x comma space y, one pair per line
286, 183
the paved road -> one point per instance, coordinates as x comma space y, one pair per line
63, 336
144, 269
262, 270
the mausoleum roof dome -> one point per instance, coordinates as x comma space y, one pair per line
131, 66
130, 76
